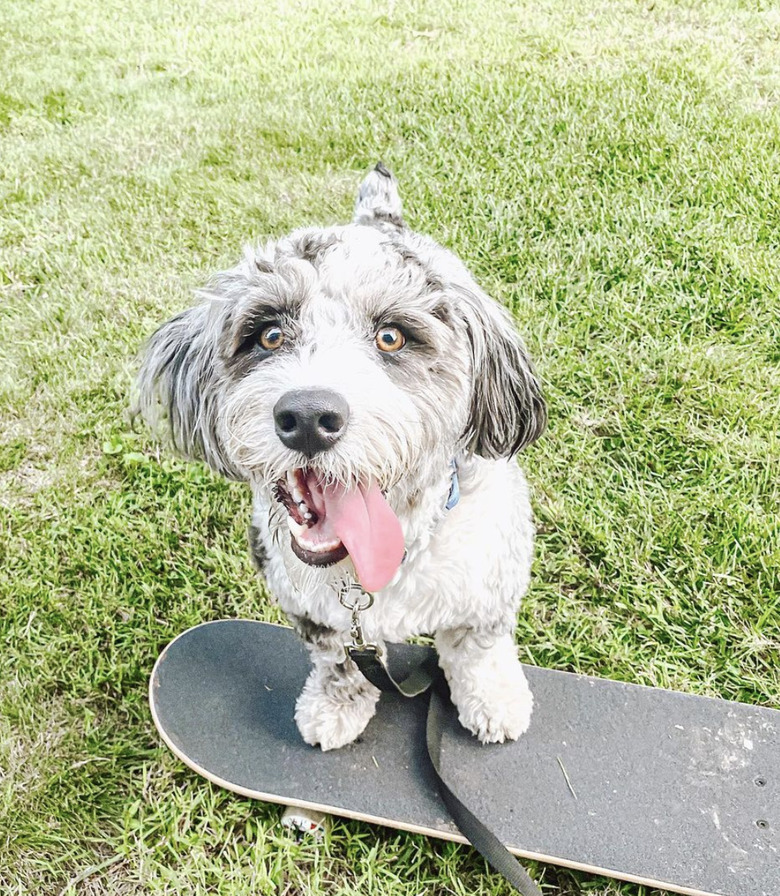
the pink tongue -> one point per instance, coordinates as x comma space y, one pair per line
368, 529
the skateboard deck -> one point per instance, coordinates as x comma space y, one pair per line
656, 787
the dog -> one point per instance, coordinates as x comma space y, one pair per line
373, 398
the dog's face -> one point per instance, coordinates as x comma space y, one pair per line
341, 370
341, 357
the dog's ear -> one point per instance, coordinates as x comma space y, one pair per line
379, 202
180, 380
507, 410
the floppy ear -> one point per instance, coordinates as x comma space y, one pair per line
507, 411
181, 380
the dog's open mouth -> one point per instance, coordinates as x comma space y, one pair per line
329, 522
314, 540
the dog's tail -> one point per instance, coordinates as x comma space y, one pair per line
378, 202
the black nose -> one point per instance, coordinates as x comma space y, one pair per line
311, 420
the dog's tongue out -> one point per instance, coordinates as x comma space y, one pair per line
368, 529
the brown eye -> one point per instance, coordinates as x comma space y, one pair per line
271, 337
390, 339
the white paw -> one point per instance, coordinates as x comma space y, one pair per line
333, 714
498, 712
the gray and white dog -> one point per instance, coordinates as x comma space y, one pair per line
345, 374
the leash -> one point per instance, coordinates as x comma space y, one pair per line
428, 678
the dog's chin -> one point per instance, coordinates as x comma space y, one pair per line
317, 558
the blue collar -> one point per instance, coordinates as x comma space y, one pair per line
454, 494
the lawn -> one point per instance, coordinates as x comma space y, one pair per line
609, 170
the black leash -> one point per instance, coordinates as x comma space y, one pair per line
428, 677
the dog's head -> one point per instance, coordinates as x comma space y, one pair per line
339, 369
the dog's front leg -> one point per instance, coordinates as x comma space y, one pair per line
487, 683
336, 702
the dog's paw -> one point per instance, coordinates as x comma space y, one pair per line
497, 708
332, 717
496, 721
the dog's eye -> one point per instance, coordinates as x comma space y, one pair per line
390, 339
271, 337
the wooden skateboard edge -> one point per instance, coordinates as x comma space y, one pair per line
379, 820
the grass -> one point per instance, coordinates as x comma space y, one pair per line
609, 171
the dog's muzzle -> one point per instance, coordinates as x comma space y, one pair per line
311, 420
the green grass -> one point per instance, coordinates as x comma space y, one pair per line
609, 170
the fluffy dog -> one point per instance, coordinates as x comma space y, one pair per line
373, 398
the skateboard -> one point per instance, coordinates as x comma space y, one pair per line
646, 785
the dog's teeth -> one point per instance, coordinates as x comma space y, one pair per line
308, 515
297, 495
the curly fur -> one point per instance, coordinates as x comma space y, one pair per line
464, 388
